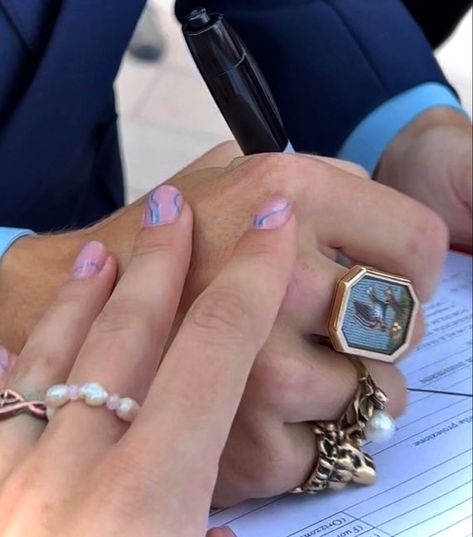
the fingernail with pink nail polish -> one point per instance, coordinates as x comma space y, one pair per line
163, 207
90, 261
4, 364
273, 214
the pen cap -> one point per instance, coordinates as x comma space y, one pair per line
235, 82
210, 41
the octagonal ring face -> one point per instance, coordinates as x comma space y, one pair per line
373, 314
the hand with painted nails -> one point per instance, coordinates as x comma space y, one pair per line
297, 378
136, 432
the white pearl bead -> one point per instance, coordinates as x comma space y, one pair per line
380, 428
57, 396
93, 394
127, 409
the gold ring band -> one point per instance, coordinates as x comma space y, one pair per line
340, 461
340, 457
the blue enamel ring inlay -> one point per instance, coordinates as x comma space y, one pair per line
373, 314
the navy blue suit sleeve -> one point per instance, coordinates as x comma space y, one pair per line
329, 62
59, 153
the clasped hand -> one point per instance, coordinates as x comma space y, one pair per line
247, 365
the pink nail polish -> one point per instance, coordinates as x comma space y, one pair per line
273, 214
90, 261
163, 207
4, 365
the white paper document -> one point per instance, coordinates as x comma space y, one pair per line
424, 486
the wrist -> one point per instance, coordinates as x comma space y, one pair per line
417, 134
434, 118
9, 235
35, 266
30, 272
369, 140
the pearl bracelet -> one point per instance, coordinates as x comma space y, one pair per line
93, 394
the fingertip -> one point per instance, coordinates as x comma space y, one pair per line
165, 205
269, 246
91, 282
167, 222
223, 531
90, 261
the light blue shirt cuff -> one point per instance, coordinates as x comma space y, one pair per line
366, 144
8, 235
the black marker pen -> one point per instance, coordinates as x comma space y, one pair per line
236, 84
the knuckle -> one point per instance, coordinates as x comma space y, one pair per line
122, 316
69, 304
429, 238
73, 302
260, 253
264, 262
272, 168
152, 244
342, 167
227, 146
356, 169
43, 355
278, 381
222, 312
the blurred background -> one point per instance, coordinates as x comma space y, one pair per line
168, 117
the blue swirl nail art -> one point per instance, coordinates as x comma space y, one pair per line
164, 206
273, 215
